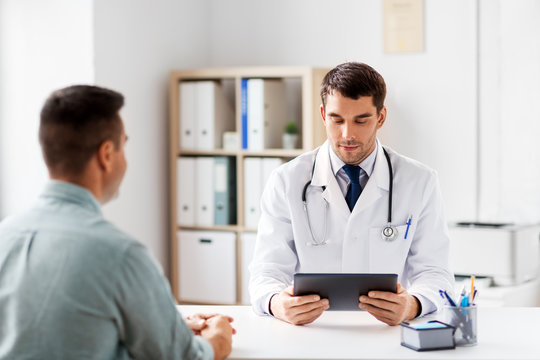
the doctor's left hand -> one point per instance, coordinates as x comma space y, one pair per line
390, 308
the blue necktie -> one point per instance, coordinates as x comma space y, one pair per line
353, 172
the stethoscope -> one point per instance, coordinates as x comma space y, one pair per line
388, 233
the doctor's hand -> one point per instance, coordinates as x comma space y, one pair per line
390, 308
297, 310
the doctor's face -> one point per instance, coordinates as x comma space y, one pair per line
351, 126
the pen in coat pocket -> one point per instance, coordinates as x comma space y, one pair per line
408, 226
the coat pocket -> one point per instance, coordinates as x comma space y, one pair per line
389, 256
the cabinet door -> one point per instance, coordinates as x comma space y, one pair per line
248, 247
207, 266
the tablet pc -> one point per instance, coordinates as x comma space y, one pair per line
343, 290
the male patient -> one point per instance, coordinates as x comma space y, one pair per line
73, 286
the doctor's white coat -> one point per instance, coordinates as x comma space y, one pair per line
354, 244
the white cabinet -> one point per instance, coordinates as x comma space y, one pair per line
207, 263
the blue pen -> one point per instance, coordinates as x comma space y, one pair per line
445, 295
408, 225
463, 293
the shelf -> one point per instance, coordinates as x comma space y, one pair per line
245, 72
283, 153
216, 152
209, 228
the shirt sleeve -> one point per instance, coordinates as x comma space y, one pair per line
149, 323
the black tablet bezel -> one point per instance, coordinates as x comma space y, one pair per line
343, 290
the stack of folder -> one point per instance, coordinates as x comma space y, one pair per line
206, 191
205, 114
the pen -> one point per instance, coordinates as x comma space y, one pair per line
463, 293
445, 295
408, 225
472, 288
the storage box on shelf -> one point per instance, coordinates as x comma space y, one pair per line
214, 191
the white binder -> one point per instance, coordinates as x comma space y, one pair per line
266, 113
252, 191
204, 191
185, 193
248, 247
207, 266
215, 115
187, 115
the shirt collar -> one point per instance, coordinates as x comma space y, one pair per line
367, 164
72, 193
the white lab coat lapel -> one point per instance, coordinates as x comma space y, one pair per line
324, 176
377, 183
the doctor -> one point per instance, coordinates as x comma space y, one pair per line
351, 206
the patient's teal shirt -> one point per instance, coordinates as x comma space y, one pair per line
73, 286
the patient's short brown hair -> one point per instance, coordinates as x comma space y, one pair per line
75, 121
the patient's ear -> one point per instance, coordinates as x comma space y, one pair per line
105, 155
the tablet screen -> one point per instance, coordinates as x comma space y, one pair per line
343, 290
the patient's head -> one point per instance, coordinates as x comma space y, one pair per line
81, 131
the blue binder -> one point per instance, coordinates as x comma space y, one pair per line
243, 102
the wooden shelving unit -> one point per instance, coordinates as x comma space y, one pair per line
306, 82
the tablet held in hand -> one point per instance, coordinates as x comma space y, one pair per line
343, 290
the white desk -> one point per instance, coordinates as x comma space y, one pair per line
503, 333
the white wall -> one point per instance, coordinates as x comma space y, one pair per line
431, 95
136, 45
43, 46
510, 110
130, 47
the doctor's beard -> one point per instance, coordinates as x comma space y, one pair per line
356, 156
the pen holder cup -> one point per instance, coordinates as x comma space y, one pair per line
464, 319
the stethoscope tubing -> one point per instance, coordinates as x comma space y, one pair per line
388, 228
390, 185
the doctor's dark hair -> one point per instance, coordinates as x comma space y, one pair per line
352, 80
75, 121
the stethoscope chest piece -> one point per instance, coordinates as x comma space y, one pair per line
389, 233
